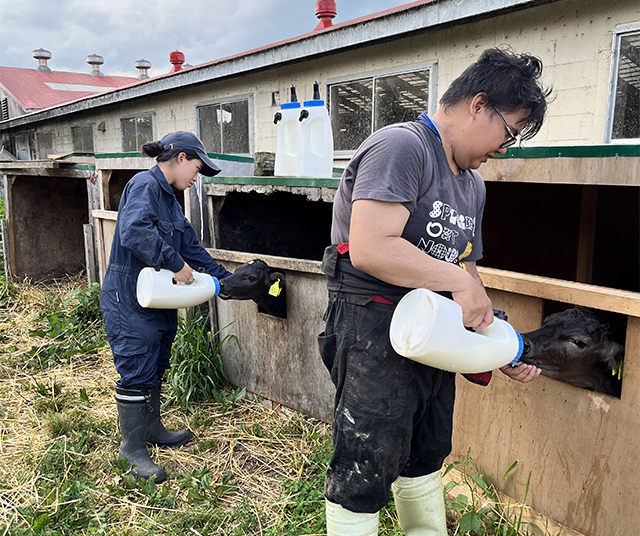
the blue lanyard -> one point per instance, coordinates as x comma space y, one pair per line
426, 120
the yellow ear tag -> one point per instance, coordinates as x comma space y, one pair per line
275, 290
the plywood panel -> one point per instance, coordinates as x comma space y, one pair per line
620, 171
617, 301
580, 447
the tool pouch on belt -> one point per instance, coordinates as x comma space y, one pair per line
361, 288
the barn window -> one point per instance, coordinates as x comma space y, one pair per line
623, 117
136, 131
45, 144
224, 126
23, 152
82, 139
360, 107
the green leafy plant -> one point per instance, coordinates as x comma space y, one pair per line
480, 511
72, 326
196, 373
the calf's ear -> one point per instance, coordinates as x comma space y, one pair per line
277, 283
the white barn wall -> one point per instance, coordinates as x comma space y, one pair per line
573, 38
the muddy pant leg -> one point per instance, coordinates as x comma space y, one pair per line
373, 419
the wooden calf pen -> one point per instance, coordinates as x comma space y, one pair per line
552, 240
47, 205
579, 447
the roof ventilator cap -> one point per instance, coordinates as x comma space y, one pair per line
176, 58
143, 67
326, 10
42, 56
95, 61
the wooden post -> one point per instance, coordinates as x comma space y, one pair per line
90, 254
586, 237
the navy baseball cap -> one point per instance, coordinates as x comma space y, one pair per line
182, 141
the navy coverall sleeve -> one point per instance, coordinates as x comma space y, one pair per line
139, 229
197, 257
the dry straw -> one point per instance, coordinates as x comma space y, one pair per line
260, 444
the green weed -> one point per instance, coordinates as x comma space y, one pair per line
480, 511
70, 327
196, 373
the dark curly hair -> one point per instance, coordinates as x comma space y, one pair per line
510, 81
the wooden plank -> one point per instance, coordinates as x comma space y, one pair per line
586, 239
99, 237
631, 368
105, 214
607, 299
215, 206
104, 175
6, 249
619, 171
140, 163
90, 254
283, 263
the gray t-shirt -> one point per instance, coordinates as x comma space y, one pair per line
406, 163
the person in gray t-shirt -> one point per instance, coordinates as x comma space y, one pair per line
408, 214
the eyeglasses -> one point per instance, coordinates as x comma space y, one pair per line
512, 137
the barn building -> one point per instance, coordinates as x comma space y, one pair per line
562, 222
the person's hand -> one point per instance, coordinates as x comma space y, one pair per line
477, 311
185, 275
523, 373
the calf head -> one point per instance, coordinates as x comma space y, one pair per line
581, 346
254, 280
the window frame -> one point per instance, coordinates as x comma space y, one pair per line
248, 97
618, 33
431, 66
93, 138
39, 148
136, 116
22, 142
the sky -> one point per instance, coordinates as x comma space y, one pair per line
123, 31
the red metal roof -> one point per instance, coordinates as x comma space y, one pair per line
352, 22
36, 90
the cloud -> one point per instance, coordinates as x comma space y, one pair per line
123, 31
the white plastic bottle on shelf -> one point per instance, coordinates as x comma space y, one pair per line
428, 328
156, 289
316, 154
289, 137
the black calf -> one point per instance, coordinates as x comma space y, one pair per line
582, 346
254, 280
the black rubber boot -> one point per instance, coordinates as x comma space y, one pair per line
132, 414
157, 434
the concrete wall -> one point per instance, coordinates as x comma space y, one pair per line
572, 37
278, 358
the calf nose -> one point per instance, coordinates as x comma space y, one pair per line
526, 347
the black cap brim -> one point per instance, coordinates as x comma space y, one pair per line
209, 169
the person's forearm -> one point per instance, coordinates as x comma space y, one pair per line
398, 262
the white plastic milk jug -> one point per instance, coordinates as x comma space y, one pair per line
289, 137
316, 154
158, 290
428, 328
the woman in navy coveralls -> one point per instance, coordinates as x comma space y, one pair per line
151, 231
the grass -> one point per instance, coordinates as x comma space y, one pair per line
254, 468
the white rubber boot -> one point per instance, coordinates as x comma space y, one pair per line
343, 522
420, 505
